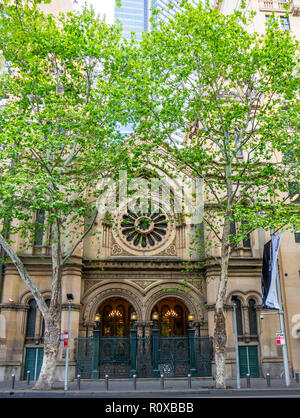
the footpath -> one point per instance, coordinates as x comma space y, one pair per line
149, 387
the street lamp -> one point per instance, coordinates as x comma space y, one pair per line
69, 298
96, 342
97, 319
191, 334
133, 338
155, 372
237, 360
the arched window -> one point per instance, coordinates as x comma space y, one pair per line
239, 317
252, 317
178, 320
39, 229
31, 318
165, 321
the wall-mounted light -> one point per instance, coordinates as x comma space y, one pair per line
155, 316
97, 317
191, 317
133, 316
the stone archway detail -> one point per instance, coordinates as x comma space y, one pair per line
27, 296
189, 300
109, 290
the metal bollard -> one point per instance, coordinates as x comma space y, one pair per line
78, 381
162, 381
134, 382
297, 376
268, 377
106, 381
189, 381
248, 381
28, 377
13, 381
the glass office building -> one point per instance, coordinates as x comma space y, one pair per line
134, 17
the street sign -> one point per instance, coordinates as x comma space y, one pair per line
64, 335
280, 339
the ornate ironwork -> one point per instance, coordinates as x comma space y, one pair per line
203, 355
114, 357
84, 350
144, 357
174, 356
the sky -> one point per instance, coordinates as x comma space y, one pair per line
103, 7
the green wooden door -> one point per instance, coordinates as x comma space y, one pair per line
248, 356
33, 362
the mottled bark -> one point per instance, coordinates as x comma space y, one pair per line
51, 345
220, 337
52, 317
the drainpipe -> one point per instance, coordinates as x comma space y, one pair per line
1, 273
2, 255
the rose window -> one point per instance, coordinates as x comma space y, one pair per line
144, 230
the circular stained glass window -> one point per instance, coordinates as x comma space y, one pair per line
144, 230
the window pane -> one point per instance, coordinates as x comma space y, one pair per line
285, 23
39, 230
30, 330
252, 317
239, 318
246, 241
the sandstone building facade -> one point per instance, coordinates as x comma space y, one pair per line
117, 273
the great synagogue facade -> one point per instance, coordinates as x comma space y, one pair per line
140, 265
133, 269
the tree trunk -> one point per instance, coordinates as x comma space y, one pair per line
220, 337
52, 317
51, 345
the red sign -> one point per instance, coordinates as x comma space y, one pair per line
280, 340
64, 337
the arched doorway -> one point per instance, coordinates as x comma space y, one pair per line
172, 317
115, 316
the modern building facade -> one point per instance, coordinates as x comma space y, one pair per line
134, 17
140, 271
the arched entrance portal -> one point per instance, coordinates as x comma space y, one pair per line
118, 350
115, 317
172, 317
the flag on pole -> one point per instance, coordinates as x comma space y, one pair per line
269, 273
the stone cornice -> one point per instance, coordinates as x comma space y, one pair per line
74, 307
138, 263
14, 307
45, 260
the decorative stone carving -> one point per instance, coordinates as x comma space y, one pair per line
90, 283
143, 283
180, 236
170, 251
99, 295
144, 234
116, 250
